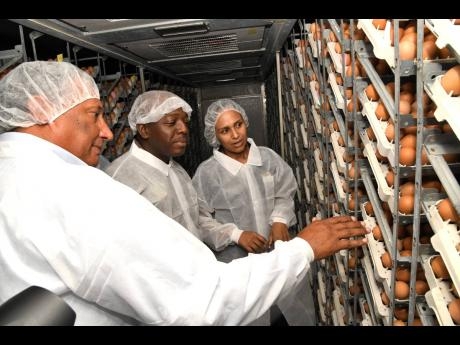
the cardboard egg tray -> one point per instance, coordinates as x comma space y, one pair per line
316, 120
338, 308
306, 170
385, 148
367, 321
301, 78
319, 189
380, 39
448, 107
300, 54
315, 94
322, 288
340, 267
339, 152
319, 164
337, 90
322, 314
338, 180
375, 289
314, 45
336, 57
439, 296
379, 169
304, 115
304, 137
446, 32
307, 189
294, 100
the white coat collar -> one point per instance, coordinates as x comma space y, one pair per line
32, 141
150, 159
232, 165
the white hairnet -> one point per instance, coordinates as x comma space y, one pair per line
214, 110
38, 92
151, 106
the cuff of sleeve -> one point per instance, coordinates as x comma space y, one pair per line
304, 246
235, 236
278, 220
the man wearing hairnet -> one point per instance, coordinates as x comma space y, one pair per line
254, 188
107, 251
159, 120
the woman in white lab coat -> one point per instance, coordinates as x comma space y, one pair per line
159, 120
249, 185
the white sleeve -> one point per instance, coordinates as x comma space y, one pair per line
143, 264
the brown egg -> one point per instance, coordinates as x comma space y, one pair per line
390, 178
430, 50
439, 268
379, 24
417, 322
372, 93
421, 287
381, 112
352, 262
401, 290
408, 140
406, 204
407, 188
384, 297
444, 53
450, 81
405, 253
447, 211
407, 243
403, 274
390, 132
397, 322
407, 50
407, 156
401, 313
369, 209
447, 128
454, 310
386, 260
377, 233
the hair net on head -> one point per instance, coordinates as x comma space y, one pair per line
214, 110
151, 106
38, 92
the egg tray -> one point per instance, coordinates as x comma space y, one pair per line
340, 268
319, 189
380, 309
301, 78
380, 39
315, 94
337, 90
322, 288
445, 239
448, 107
294, 99
316, 120
446, 32
379, 169
367, 320
339, 152
385, 148
336, 57
314, 45
338, 308
319, 164
293, 85
338, 180
306, 170
322, 315
300, 54
439, 296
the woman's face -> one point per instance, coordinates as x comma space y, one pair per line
231, 131
82, 131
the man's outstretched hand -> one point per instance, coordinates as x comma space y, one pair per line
333, 234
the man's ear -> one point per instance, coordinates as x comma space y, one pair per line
143, 131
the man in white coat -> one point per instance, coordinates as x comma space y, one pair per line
107, 251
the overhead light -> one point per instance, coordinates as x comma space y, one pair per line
179, 29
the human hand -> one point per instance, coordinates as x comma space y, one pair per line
252, 242
279, 231
333, 234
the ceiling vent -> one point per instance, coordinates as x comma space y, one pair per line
197, 46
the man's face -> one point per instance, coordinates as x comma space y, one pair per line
231, 131
83, 130
168, 137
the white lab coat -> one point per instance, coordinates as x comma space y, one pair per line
170, 189
253, 196
106, 250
